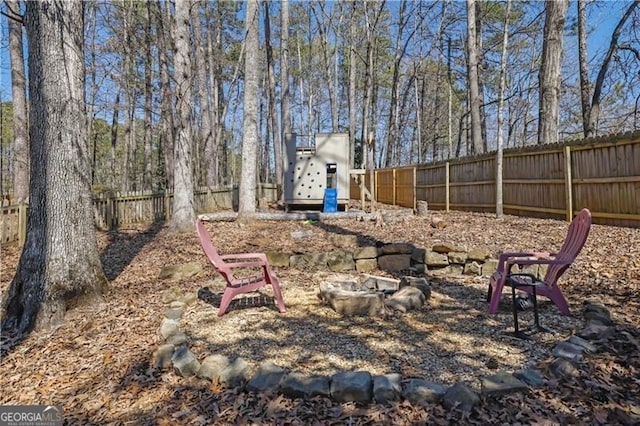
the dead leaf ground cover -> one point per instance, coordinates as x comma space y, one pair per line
97, 363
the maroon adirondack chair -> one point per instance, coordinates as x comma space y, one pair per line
225, 265
557, 264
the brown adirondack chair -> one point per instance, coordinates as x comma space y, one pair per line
557, 264
235, 285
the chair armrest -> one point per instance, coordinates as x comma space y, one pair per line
236, 265
261, 256
537, 261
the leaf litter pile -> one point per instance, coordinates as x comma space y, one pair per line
97, 364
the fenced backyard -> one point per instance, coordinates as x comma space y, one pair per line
545, 181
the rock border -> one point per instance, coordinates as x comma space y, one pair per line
362, 386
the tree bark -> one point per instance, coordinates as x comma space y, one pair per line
285, 121
183, 217
474, 90
352, 96
59, 267
19, 93
147, 181
585, 85
501, 89
247, 206
550, 71
271, 110
167, 122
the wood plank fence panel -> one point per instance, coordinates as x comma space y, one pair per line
430, 185
385, 186
405, 184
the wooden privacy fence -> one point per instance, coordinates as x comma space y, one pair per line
547, 181
117, 210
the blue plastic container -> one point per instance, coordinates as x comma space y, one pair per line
330, 200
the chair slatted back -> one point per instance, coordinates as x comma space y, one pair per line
576, 238
211, 252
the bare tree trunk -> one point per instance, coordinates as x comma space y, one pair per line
324, 40
59, 267
272, 112
594, 113
113, 179
167, 125
352, 94
19, 94
474, 91
147, 181
550, 71
585, 84
183, 216
247, 206
284, 79
213, 151
501, 89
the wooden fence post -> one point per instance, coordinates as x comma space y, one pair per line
22, 224
415, 197
395, 185
568, 184
446, 186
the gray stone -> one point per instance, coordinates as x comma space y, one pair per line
434, 259
344, 240
297, 385
176, 304
583, 343
417, 255
596, 332
408, 297
419, 391
188, 298
419, 283
312, 261
372, 282
396, 248
459, 257
178, 338
212, 366
479, 254
568, 351
168, 327
350, 303
369, 252
598, 308
351, 386
173, 313
530, 376
447, 248
386, 388
180, 272
302, 234
162, 356
184, 362
460, 396
366, 265
597, 317
339, 261
394, 262
489, 267
472, 268
171, 294
502, 383
267, 378
235, 374
563, 367
276, 258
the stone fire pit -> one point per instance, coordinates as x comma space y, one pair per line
370, 295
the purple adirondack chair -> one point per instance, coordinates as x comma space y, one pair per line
225, 265
557, 264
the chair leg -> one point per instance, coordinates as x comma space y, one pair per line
497, 284
489, 292
558, 299
275, 284
226, 300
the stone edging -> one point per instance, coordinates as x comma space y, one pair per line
362, 386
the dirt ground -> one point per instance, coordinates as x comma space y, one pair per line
97, 363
